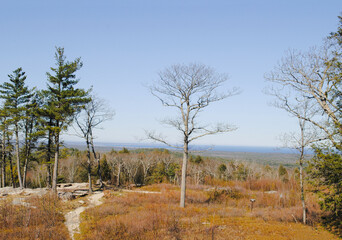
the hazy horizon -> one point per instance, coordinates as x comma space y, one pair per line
193, 147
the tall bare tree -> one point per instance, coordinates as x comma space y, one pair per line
301, 108
92, 115
317, 75
190, 89
305, 85
312, 74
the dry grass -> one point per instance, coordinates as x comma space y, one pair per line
40, 218
227, 216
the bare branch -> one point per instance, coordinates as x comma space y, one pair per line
159, 138
220, 128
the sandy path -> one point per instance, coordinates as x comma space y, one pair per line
72, 219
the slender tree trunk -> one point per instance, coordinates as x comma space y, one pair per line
11, 168
17, 154
301, 179
28, 151
3, 159
28, 142
89, 167
97, 159
184, 168
25, 172
4, 171
48, 157
55, 167
48, 180
301, 159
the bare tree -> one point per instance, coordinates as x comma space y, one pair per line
190, 89
116, 160
302, 86
312, 75
92, 115
301, 109
147, 161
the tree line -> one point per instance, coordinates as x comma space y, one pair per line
39, 117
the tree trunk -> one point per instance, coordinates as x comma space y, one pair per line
3, 159
28, 142
55, 167
184, 168
48, 180
301, 179
97, 159
26, 163
17, 154
25, 171
301, 159
48, 156
89, 167
11, 168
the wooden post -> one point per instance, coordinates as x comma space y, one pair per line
252, 203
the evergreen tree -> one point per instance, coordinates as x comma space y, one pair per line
33, 130
4, 132
64, 100
16, 95
282, 173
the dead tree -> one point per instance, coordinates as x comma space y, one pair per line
190, 89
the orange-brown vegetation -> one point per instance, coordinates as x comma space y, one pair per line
36, 218
212, 213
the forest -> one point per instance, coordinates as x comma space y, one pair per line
307, 85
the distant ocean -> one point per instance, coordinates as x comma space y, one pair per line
214, 148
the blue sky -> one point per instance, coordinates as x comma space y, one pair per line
124, 44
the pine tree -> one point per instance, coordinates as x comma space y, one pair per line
64, 100
33, 130
16, 95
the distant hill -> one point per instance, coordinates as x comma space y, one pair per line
262, 155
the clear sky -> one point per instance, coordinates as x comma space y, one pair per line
124, 44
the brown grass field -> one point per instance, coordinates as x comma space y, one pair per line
222, 212
133, 215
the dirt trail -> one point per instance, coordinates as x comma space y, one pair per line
72, 219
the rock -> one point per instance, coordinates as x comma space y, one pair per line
80, 193
271, 192
66, 195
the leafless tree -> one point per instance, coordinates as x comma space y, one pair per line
190, 89
70, 166
312, 75
147, 161
116, 162
94, 113
301, 86
300, 142
131, 165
